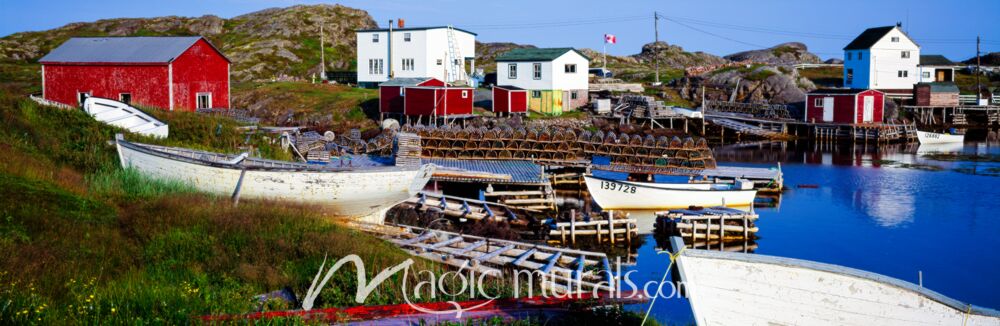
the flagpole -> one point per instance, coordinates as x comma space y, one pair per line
605, 53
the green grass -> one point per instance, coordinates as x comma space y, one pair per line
346, 107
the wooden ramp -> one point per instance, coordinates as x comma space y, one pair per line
745, 128
557, 267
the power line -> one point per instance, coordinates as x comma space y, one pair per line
713, 34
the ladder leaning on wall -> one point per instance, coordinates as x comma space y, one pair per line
456, 63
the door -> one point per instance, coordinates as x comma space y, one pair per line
82, 96
940, 76
869, 109
827, 109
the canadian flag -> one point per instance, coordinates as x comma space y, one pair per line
609, 38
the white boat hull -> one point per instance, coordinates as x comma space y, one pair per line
615, 194
935, 138
122, 115
352, 193
726, 288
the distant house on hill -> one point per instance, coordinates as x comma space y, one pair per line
882, 58
936, 69
556, 78
441, 52
171, 73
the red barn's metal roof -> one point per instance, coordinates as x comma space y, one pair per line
130, 50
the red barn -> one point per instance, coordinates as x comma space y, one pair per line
851, 106
391, 93
510, 99
182, 73
435, 100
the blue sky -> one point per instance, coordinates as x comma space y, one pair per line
714, 26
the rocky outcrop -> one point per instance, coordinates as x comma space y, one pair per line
486, 53
834, 61
785, 54
272, 43
756, 83
989, 59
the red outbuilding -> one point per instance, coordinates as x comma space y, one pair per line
437, 101
510, 99
849, 106
171, 73
391, 93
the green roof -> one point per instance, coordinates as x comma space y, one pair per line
942, 87
533, 54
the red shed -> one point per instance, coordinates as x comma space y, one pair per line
391, 92
851, 106
432, 100
510, 99
182, 73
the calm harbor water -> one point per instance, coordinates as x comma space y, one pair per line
876, 209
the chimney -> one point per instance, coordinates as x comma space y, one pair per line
899, 24
401, 23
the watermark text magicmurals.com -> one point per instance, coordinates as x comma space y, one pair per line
470, 282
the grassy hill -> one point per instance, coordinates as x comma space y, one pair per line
86, 242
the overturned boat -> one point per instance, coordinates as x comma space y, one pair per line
362, 190
730, 288
124, 116
618, 194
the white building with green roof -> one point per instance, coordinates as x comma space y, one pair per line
556, 78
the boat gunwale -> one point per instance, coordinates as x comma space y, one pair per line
640, 184
839, 270
302, 167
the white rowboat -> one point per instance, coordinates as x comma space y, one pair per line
617, 194
122, 115
731, 288
357, 192
926, 137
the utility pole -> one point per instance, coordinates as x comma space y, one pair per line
656, 45
979, 70
322, 55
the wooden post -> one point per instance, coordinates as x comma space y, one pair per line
572, 226
722, 226
611, 226
598, 233
562, 233
745, 228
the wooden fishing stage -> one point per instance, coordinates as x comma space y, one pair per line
712, 224
607, 229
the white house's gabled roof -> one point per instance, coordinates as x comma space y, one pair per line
370, 30
870, 36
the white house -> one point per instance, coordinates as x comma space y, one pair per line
556, 78
936, 69
440, 52
882, 58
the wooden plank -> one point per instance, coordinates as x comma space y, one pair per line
526, 255
551, 262
494, 253
446, 242
421, 238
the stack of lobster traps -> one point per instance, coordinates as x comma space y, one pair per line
563, 146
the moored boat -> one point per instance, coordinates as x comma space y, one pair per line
124, 116
618, 194
731, 288
358, 191
926, 137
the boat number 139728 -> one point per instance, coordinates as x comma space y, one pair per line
617, 186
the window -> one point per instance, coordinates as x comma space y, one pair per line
927, 74
850, 76
375, 66
850, 55
512, 70
204, 100
125, 98
465, 94
902, 73
536, 94
408, 64
818, 102
536, 70
572, 95
570, 68
374, 38
895, 39
406, 37
82, 96
904, 54
439, 62
859, 55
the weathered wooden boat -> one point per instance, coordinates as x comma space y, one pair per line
618, 194
360, 191
124, 116
926, 137
730, 288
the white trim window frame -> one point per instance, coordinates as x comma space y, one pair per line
208, 100
570, 68
904, 54
536, 70
511, 71
465, 94
375, 38
121, 97
406, 37
818, 102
